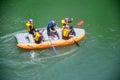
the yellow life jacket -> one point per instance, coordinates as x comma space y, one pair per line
65, 32
37, 36
28, 24
63, 22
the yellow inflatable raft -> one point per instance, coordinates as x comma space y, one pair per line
26, 41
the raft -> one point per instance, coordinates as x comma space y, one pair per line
26, 40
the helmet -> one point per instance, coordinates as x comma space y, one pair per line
53, 22
66, 19
66, 26
40, 32
30, 20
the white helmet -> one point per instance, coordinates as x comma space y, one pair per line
66, 19
67, 26
53, 22
30, 20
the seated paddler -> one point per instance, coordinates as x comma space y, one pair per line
67, 21
38, 36
66, 33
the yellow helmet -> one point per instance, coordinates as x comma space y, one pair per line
63, 21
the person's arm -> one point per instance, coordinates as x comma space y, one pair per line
70, 20
52, 30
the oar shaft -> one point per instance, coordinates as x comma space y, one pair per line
76, 42
54, 49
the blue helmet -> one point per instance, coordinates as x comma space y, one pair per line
53, 22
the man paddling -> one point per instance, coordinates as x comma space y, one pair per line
38, 36
66, 21
66, 34
51, 29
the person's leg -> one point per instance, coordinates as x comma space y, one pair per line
41, 39
48, 33
37, 41
57, 34
72, 31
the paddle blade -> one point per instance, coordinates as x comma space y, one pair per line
80, 23
76, 42
54, 49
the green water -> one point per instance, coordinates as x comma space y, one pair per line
97, 58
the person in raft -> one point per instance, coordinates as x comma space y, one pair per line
30, 26
38, 36
66, 22
51, 29
66, 34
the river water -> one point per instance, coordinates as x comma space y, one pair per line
97, 58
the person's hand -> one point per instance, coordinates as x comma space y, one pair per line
71, 19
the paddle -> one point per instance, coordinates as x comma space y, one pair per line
54, 49
79, 24
76, 42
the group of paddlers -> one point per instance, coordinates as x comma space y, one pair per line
67, 30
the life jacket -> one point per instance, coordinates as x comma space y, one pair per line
64, 23
65, 32
37, 36
28, 24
